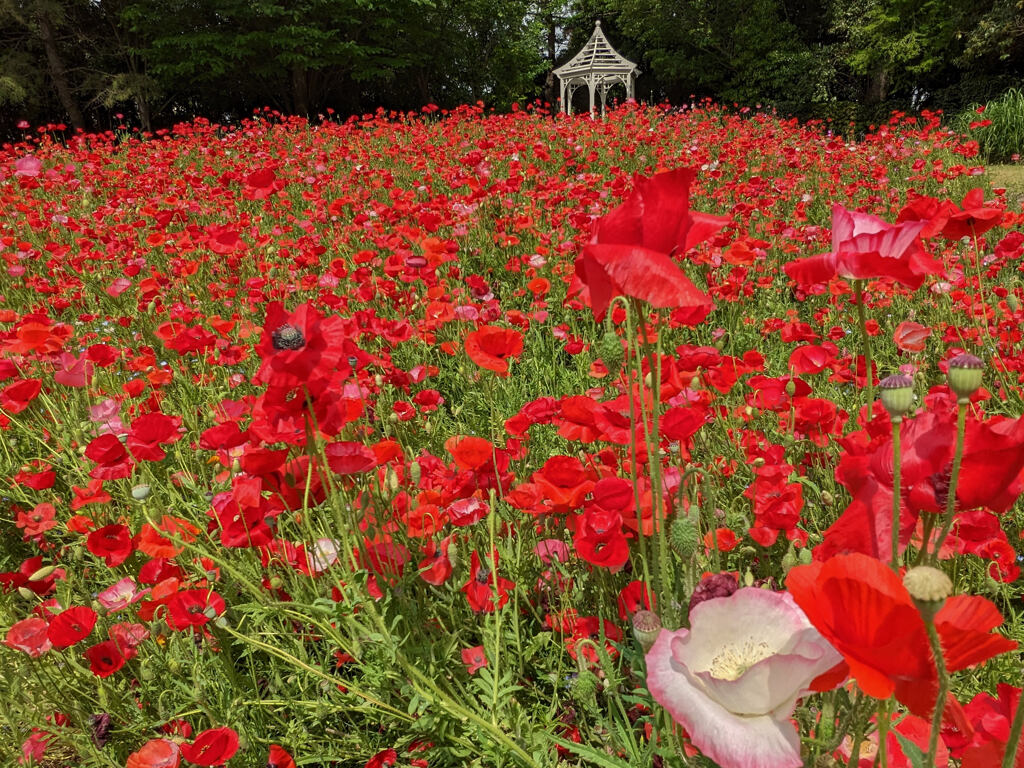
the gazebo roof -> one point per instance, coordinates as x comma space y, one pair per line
597, 56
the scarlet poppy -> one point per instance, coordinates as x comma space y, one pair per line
104, 658
193, 608
491, 347
864, 610
149, 431
112, 460
278, 757
865, 246
474, 658
298, 347
972, 218
631, 250
70, 626
383, 759
484, 586
111, 542
910, 336
214, 746
155, 753
599, 539
30, 636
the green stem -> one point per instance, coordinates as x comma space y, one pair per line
1014, 740
883, 734
896, 480
940, 701
954, 477
858, 287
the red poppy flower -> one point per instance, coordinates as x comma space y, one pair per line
491, 347
104, 658
30, 636
214, 746
14, 398
474, 658
299, 346
149, 431
865, 246
70, 626
278, 757
992, 461
155, 753
599, 539
111, 542
484, 585
436, 567
910, 336
112, 460
863, 609
630, 252
973, 218
193, 608
384, 759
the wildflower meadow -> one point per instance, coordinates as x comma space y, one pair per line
686, 437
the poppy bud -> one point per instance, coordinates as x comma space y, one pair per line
897, 393
964, 375
1013, 302
790, 388
928, 587
646, 628
415, 472
827, 499
42, 573
140, 492
684, 537
609, 349
584, 687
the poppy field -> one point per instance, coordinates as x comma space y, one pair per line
690, 437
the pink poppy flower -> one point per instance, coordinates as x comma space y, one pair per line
733, 679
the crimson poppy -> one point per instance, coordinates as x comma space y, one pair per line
631, 250
155, 753
214, 746
111, 542
973, 218
298, 347
599, 539
474, 658
193, 608
386, 758
863, 609
278, 757
71, 626
104, 658
30, 636
149, 432
112, 460
491, 347
865, 246
484, 585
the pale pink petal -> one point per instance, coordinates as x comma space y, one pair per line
729, 739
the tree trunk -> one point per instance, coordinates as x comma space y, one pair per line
57, 71
878, 87
550, 82
300, 90
145, 116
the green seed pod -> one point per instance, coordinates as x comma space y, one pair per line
684, 536
965, 374
897, 394
646, 628
609, 349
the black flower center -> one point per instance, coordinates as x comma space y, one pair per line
287, 337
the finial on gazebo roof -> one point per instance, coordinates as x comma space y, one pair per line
598, 66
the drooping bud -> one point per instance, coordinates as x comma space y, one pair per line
288, 337
684, 536
964, 375
609, 349
897, 393
140, 492
584, 688
646, 628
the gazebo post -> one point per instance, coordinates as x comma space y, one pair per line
599, 67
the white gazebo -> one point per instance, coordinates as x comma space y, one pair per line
598, 66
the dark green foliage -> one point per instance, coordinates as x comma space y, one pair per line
162, 61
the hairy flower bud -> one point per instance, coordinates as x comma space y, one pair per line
684, 536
